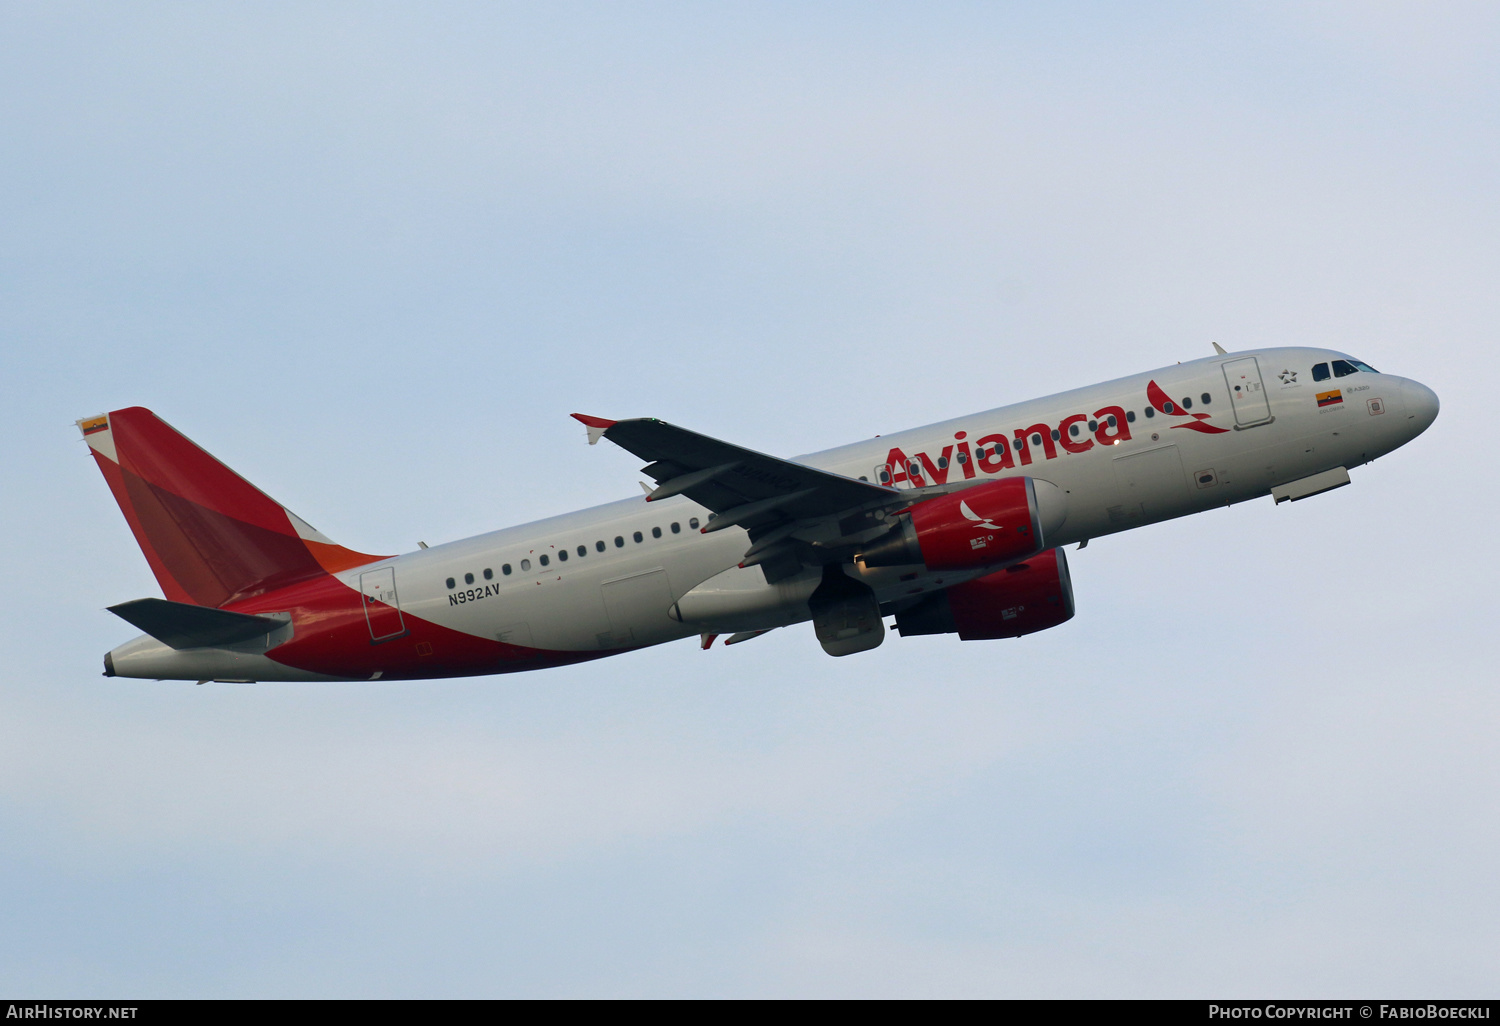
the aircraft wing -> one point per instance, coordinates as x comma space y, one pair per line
743, 487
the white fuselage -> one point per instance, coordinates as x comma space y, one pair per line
626, 594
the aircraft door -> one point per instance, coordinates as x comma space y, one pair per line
1246, 392
637, 606
1152, 483
382, 606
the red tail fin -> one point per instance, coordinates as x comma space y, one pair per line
210, 536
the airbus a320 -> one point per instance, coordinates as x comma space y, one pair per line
955, 528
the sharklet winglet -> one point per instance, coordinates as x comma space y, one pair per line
596, 425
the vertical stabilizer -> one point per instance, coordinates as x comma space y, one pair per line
210, 536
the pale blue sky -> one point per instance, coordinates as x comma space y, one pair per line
372, 256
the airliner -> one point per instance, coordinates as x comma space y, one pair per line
954, 528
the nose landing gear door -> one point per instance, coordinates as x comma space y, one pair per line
1247, 394
382, 606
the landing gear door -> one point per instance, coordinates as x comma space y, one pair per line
382, 606
1246, 392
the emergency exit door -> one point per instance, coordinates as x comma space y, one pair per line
382, 606
1247, 395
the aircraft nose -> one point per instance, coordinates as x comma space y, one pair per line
1421, 405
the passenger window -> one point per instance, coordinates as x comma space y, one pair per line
1150, 411
914, 470
619, 542
562, 555
599, 545
885, 478
583, 550
505, 569
677, 528
981, 452
1320, 372
1168, 407
450, 583
525, 564
656, 532
1073, 430
1036, 439
468, 578
638, 537
963, 458
542, 559
1206, 398
1187, 404
693, 523
1343, 368
1112, 421
942, 462
1093, 425
1055, 435
489, 575
1130, 416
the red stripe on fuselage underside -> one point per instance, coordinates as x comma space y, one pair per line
330, 636
213, 556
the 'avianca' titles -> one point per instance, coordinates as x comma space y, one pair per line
955, 528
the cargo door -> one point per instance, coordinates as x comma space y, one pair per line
637, 606
1152, 484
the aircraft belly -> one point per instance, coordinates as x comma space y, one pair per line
147, 658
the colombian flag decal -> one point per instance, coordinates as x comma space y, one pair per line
1330, 398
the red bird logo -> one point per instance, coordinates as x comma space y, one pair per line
1162, 404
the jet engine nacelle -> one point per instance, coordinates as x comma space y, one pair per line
985, 525
1021, 599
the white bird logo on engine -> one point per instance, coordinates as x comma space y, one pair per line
969, 514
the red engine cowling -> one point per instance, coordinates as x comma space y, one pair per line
1021, 599
995, 522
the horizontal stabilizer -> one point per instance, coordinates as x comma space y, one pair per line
182, 625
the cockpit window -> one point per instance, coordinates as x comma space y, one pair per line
1320, 372
1344, 368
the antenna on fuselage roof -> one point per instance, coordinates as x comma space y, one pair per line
1218, 349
